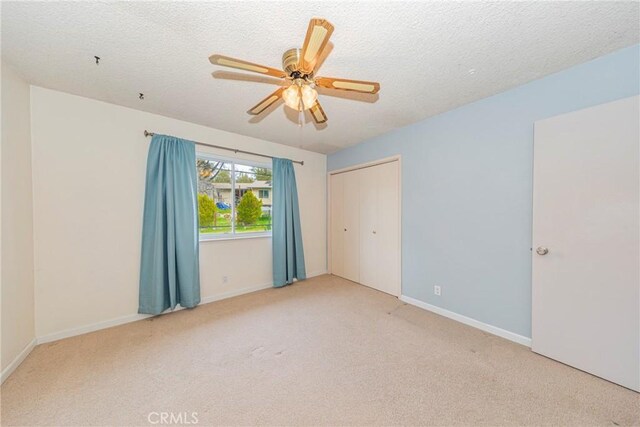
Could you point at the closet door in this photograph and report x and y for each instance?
(379, 228)
(365, 226)
(387, 229)
(369, 251)
(351, 229)
(337, 224)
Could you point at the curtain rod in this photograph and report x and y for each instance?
(235, 150)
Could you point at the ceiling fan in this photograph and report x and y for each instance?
(299, 70)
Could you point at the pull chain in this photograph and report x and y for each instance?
(300, 123)
(300, 113)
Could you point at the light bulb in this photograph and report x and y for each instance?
(309, 96)
(291, 96)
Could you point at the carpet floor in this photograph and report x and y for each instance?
(322, 352)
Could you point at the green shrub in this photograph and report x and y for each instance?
(206, 210)
(249, 209)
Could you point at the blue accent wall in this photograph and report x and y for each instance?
(467, 189)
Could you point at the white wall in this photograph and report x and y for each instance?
(17, 223)
(89, 161)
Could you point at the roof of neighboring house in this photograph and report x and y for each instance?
(243, 185)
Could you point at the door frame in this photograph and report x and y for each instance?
(395, 158)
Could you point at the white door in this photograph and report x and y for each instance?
(586, 256)
(388, 228)
(379, 228)
(351, 229)
(369, 261)
(337, 224)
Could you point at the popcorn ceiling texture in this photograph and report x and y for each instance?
(421, 53)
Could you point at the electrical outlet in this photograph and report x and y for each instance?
(437, 290)
(225, 279)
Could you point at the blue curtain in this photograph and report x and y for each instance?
(288, 255)
(169, 267)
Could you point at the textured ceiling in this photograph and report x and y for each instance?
(429, 57)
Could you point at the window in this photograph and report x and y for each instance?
(233, 198)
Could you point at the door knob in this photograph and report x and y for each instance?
(374, 232)
(541, 250)
(345, 229)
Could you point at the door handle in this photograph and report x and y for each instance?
(541, 250)
(374, 232)
(345, 229)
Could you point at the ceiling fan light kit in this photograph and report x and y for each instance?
(300, 95)
(299, 67)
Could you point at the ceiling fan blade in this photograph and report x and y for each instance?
(318, 113)
(244, 77)
(227, 61)
(316, 39)
(267, 102)
(345, 84)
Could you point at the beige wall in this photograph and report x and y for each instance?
(17, 221)
(89, 162)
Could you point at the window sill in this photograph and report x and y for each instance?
(236, 237)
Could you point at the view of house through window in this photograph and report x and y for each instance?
(233, 198)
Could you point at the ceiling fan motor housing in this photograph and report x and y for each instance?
(290, 64)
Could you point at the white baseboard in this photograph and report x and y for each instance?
(17, 361)
(468, 321)
(85, 329)
(231, 294)
(316, 273)
(80, 330)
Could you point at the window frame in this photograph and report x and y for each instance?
(205, 237)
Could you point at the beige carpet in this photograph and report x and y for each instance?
(322, 352)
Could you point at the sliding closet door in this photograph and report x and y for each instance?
(388, 228)
(351, 229)
(337, 224)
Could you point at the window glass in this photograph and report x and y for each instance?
(253, 212)
(233, 198)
